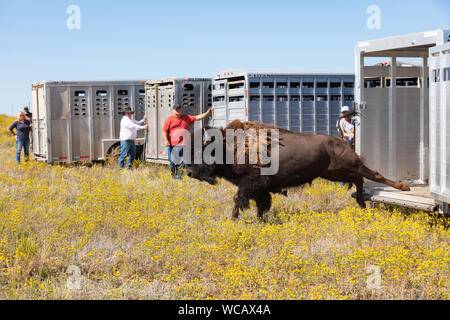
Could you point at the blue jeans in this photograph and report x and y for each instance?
(25, 144)
(127, 148)
(176, 162)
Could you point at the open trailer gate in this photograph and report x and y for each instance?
(440, 123)
(401, 126)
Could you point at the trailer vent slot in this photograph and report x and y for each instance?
(267, 85)
(101, 93)
(80, 93)
(372, 83)
(308, 98)
(295, 85)
(268, 98)
(322, 85)
(348, 98)
(282, 98)
(188, 87)
(255, 98)
(308, 85)
(335, 85)
(254, 85)
(349, 85)
(236, 99)
(232, 86)
(282, 85)
(295, 98)
(219, 99)
(322, 98)
(335, 98)
(122, 93)
(436, 75)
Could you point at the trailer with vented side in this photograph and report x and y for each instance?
(308, 102)
(402, 127)
(80, 120)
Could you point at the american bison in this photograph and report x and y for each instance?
(302, 159)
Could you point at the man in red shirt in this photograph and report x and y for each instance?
(173, 130)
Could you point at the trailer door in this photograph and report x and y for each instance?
(39, 122)
(151, 93)
(440, 123)
(219, 103)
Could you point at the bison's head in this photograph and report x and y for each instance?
(202, 164)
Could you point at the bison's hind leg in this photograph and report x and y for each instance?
(263, 203)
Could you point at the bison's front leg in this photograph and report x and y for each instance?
(241, 202)
(359, 192)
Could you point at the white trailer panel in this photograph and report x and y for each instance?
(440, 122)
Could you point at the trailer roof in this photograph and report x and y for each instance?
(164, 80)
(88, 82)
(409, 45)
(280, 73)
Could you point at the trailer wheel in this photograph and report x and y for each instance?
(139, 151)
(112, 156)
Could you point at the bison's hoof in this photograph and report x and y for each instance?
(402, 186)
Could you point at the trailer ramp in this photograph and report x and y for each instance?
(418, 197)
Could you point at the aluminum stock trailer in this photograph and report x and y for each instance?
(308, 102)
(80, 120)
(403, 127)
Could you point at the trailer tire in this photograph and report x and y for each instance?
(113, 154)
(139, 151)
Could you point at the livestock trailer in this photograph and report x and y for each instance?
(194, 96)
(80, 120)
(304, 102)
(402, 130)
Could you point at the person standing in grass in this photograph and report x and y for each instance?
(128, 134)
(346, 126)
(22, 134)
(173, 141)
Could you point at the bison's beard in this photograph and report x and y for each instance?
(212, 180)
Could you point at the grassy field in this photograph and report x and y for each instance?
(99, 233)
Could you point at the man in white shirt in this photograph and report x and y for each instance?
(346, 126)
(128, 134)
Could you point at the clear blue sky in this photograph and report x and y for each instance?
(150, 39)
